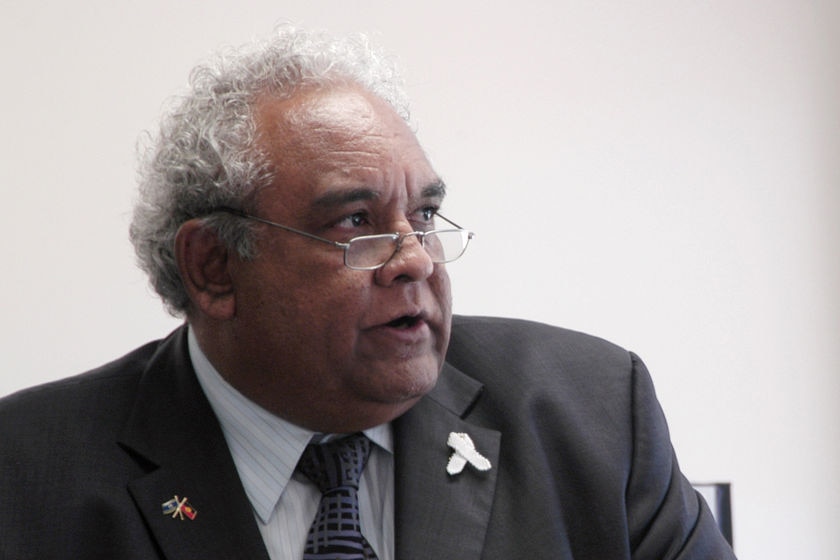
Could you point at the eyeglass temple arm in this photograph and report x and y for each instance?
(247, 216)
(439, 215)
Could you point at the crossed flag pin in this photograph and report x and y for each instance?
(464, 452)
(179, 507)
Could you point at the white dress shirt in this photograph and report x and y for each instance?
(266, 449)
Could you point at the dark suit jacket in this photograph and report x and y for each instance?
(582, 466)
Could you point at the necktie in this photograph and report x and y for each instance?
(336, 468)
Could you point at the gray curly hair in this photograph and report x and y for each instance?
(205, 156)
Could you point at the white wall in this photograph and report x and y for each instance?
(661, 173)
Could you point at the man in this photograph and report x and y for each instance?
(289, 213)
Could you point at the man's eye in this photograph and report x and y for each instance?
(428, 213)
(356, 220)
(423, 219)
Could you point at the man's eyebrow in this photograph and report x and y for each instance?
(338, 198)
(436, 189)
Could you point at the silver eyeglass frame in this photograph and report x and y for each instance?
(396, 237)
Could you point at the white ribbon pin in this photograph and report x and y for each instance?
(464, 452)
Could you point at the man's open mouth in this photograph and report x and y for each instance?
(404, 322)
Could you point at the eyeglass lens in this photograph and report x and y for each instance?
(442, 246)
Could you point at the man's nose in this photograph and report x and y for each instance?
(409, 263)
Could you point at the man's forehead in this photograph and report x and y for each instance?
(322, 110)
(341, 145)
(332, 123)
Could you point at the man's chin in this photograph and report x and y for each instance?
(410, 386)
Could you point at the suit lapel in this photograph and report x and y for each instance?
(438, 515)
(173, 432)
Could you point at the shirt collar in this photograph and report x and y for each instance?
(265, 448)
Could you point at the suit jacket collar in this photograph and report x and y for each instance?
(173, 431)
(438, 515)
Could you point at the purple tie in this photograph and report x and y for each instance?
(336, 467)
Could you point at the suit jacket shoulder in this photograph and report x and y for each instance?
(541, 353)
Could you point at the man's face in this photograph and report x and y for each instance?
(324, 346)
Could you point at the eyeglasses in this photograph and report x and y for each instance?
(370, 252)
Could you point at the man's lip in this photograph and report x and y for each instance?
(404, 330)
(409, 319)
(406, 333)
(404, 322)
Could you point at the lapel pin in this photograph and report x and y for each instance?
(464, 452)
(178, 507)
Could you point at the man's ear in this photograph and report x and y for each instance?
(203, 261)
